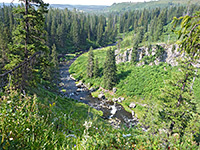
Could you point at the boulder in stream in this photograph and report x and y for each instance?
(79, 85)
(114, 90)
(132, 105)
(80, 90)
(72, 77)
(101, 96)
(92, 89)
(114, 99)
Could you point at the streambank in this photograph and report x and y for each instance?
(113, 112)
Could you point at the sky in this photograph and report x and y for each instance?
(81, 2)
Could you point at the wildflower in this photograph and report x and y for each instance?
(10, 139)
(8, 102)
(27, 129)
(87, 124)
(52, 105)
(55, 119)
(127, 135)
(74, 145)
(71, 135)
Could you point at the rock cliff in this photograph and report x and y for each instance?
(151, 55)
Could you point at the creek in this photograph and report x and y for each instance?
(113, 112)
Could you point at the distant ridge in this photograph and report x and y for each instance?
(120, 7)
(126, 6)
(85, 8)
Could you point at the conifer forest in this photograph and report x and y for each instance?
(87, 77)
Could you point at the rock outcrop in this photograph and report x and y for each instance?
(158, 53)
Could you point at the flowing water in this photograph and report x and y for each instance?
(113, 112)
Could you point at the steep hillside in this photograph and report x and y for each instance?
(136, 82)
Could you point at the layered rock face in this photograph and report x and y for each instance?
(158, 53)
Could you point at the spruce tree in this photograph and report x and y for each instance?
(54, 57)
(28, 37)
(75, 32)
(134, 54)
(110, 70)
(96, 68)
(178, 107)
(90, 65)
(4, 52)
(99, 33)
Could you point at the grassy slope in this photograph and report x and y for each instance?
(134, 83)
(32, 123)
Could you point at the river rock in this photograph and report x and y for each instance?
(114, 90)
(80, 89)
(140, 63)
(72, 77)
(61, 84)
(101, 96)
(132, 105)
(79, 85)
(114, 99)
(92, 89)
(133, 114)
(122, 98)
(119, 100)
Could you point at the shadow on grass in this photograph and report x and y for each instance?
(123, 75)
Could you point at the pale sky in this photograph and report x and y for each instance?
(81, 2)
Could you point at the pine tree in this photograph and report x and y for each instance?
(54, 57)
(4, 41)
(75, 32)
(96, 68)
(139, 37)
(134, 54)
(99, 33)
(110, 70)
(51, 71)
(28, 37)
(178, 106)
(90, 65)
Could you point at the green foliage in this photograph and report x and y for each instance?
(90, 65)
(173, 48)
(132, 80)
(110, 70)
(159, 51)
(134, 54)
(28, 39)
(178, 99)
(96, 68)
(189, 34)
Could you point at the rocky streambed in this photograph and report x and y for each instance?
(112, 111)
